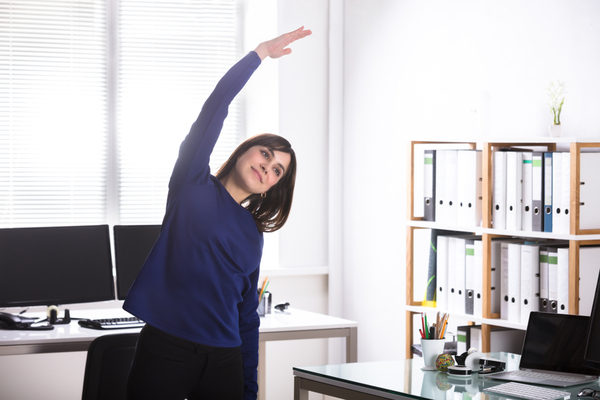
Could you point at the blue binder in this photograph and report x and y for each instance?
(548, 192)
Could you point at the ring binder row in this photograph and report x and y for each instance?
(453, 187)
(531, 189)
(541, 183)
(518, 267)
(526, 276)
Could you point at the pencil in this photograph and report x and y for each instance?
(262, 290)
(444, 328)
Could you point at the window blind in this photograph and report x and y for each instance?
(58, 62)
(170, 56)
(52, 112)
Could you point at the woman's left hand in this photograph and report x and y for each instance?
(277, 47)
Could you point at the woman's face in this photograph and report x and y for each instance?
(259, 168)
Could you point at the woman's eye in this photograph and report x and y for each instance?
(277, 172)
(265, 154)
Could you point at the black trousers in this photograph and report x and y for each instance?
(166, 367)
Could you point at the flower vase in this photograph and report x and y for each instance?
(555, 130)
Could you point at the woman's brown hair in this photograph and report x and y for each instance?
(271, 212)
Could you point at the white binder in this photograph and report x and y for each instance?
(557, 196)
(478, 280)
(469, 195)
(500, 257)
(451, 191)
(527, 205)
(459, 275)
(565, 199)
(514, 186)
(589, 191)
(514, 282)
(563, 280)
(442, 273)
(452, 275)
(499, 191)
(440, 186)
(530, 280)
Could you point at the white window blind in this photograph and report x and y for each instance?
(170, 56)
(56, 71)
(52, 112)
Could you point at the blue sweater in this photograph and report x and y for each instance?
(200, 280)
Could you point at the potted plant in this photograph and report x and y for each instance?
(556, 93)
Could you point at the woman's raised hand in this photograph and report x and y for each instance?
(277, 47)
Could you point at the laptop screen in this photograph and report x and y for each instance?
(556, 342)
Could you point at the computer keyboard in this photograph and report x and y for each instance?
(541, 375)
(525, 391)
(112, 323)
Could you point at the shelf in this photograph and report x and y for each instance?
(576, 237)
(501, 232)
(467, 317)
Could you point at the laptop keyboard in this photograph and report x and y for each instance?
(541, 375)
(524, 391)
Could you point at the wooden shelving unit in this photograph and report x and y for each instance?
(576, 237)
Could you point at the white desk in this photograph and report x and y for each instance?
(298, 324)
(292, 325)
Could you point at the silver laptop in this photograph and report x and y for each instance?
(553, 351)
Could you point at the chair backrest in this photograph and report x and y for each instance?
(107, 367)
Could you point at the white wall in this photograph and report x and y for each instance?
(303, 120)
(417, 69)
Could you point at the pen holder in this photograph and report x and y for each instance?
(264, 306)
(431, 349)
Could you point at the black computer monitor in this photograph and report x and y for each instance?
(55, 265)
(132, 245)
(592, 348)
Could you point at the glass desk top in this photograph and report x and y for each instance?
(406, 378)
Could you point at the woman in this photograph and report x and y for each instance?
(197, 291)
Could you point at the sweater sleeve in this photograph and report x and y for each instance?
(249, 324)
(195, 150)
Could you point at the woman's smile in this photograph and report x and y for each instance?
(258, 175)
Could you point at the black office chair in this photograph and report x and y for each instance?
(107, 367)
